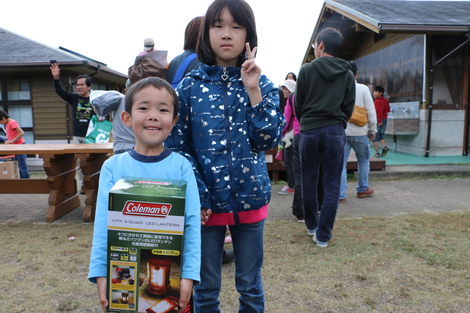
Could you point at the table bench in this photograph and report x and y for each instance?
(60, 162)
(275, 166)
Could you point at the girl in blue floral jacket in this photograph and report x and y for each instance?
(229, 115)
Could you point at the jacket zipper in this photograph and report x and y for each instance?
(229, 149)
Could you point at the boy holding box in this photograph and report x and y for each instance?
(151, 110)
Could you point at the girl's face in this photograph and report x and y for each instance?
(151, 119)
(227, 39)
(286, 92)
(290, 76)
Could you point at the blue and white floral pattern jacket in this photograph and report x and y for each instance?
(225, 137)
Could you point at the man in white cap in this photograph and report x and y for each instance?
(149, 46)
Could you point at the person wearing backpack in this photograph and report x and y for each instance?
(187, 61)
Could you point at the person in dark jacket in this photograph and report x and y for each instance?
(324, 102)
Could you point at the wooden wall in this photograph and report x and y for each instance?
(49, 110)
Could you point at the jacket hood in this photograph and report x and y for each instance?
(330, 67)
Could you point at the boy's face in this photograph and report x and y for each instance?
(151, 119)
(3, 120)
(376, 94)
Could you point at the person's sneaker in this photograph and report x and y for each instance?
(319, 243)
(300, 220)
(377, 155)
(311, 232)
(228, 239)
(368, 193)
(384, 151)
(342, 200)
(285, 190)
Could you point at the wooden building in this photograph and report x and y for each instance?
(419, 52)
(27, 89)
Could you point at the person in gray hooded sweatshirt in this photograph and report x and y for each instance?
(324, 102)
(112, 102)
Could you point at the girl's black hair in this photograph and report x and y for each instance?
(150, 81)
(242, 14)
(293, 74)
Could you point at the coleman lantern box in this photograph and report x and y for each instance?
(145, 238)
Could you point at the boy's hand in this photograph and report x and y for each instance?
(205, 213)
(55, 70)
(186, 287)
(101, 283)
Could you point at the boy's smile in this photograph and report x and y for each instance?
(151, 119)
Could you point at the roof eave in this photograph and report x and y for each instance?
(91, 65)
(354, 15)
(424, 28)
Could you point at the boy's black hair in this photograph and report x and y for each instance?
(242, 14)
(87, 79)
(332, 39)
(353, 67)
(4, 114)
(379, 89)
(155, 82)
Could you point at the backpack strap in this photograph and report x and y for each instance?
(182, 68)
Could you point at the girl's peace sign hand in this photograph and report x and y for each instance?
(250, 75)
(250, 70)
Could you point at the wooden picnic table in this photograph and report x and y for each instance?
(60, 162)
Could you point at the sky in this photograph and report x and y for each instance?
(113, 32)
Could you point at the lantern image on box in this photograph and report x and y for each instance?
(159, 282)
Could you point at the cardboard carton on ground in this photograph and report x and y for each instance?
(145, 239)
(9, 169)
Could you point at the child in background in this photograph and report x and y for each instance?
(151, 109)
(382, 107)
(229, 116)
(15, 136)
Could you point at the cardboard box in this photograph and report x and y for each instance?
(145, 239)
(9, 169)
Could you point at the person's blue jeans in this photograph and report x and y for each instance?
(326, 145)
(381, 131)
(247, 241)
(297, 206)
(22, 166)
(361, 146)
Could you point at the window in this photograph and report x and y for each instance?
(18, 89)
(399, 68)
(15, 98)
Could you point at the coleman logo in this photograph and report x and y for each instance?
(147, 209)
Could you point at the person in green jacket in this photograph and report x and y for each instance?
(325, 96)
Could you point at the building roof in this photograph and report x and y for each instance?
(353, 17)
(418, 16)
(18, 52)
